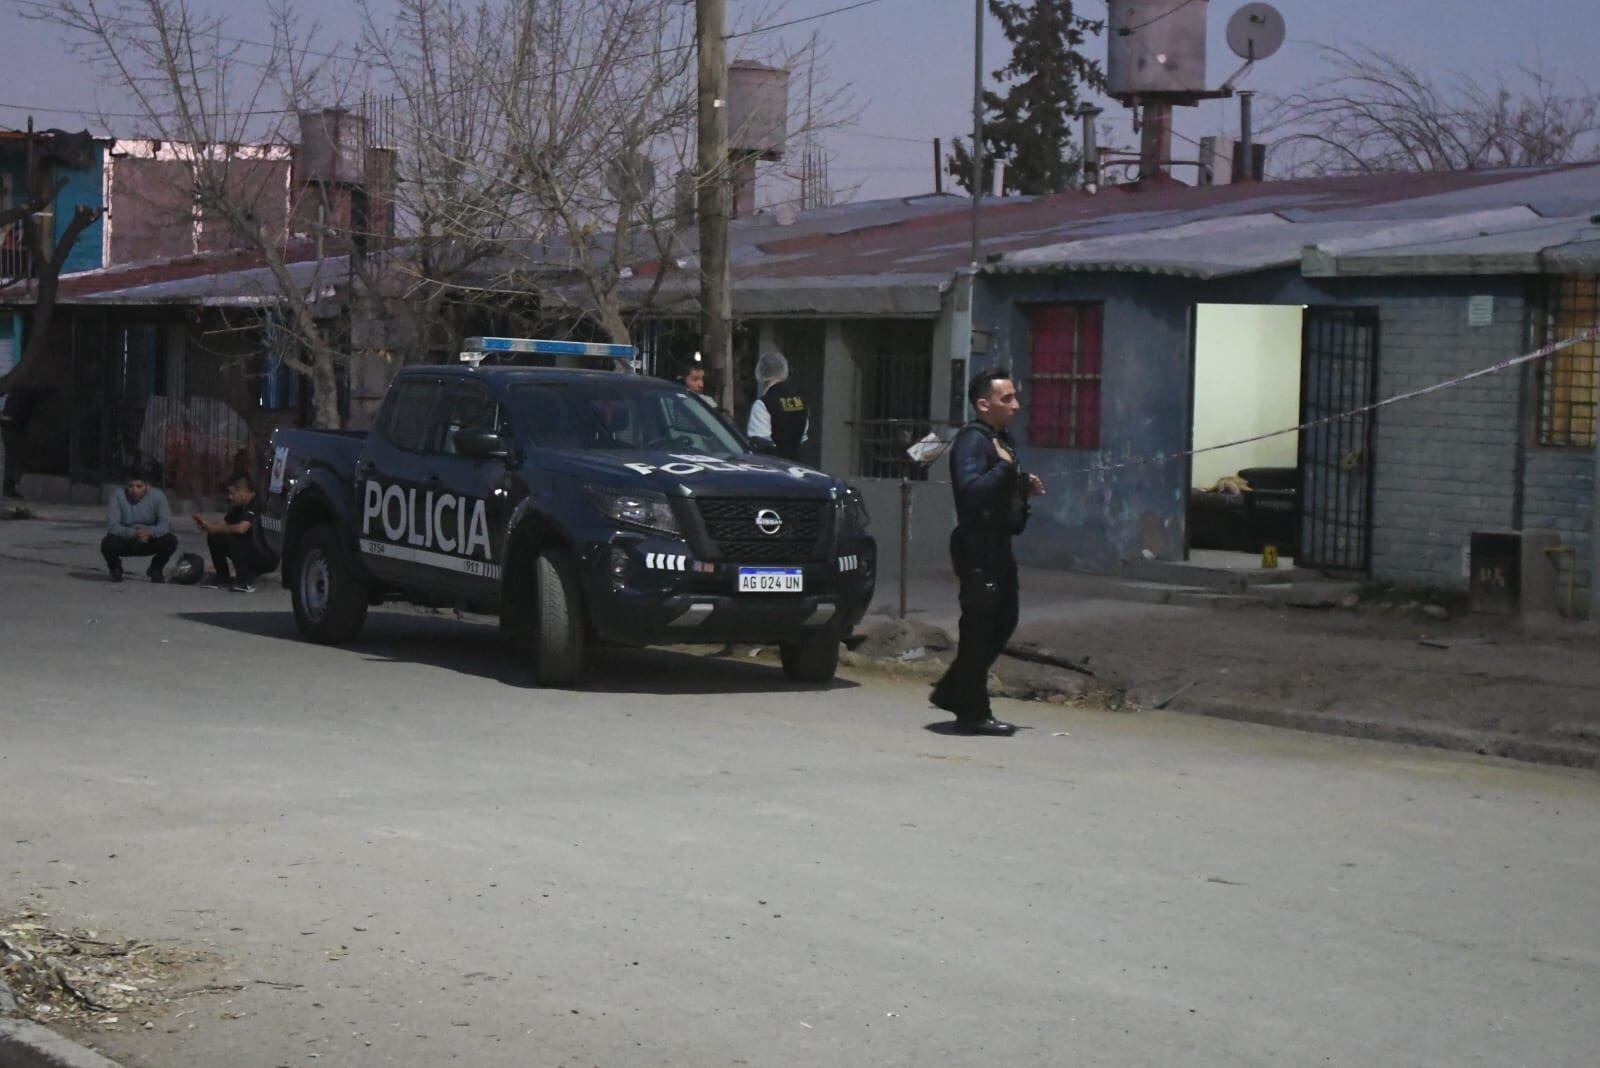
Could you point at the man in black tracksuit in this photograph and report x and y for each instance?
(16, 411)
(991, 506)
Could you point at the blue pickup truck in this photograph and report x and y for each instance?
(579, 506)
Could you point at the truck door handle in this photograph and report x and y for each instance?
(434, 479)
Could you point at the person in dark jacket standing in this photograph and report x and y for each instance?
(779, 416)
(992, 495)
(16, 412)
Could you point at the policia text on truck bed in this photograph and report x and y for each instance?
(578, 506)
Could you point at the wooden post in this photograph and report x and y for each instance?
(977, 133)
(716, 301)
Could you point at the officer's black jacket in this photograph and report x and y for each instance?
(986, 487)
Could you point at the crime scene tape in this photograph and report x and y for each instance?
(1582, 337)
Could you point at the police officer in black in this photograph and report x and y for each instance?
(779, 417)
(992, 494)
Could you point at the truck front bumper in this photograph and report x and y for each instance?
(653, 593)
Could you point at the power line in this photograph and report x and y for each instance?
(264, 112)
(804, 18)
(885, 137)
(1123, 31)
(115, 20)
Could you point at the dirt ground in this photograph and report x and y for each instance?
(1391, 667)
(1468, 674)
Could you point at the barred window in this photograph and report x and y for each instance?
(1569, 381)
(1063, 399)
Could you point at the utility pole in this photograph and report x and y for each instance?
(977, 132)
(30, 192)
(716, 302)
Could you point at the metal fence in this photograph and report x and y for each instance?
(15, 260)
(881, 447)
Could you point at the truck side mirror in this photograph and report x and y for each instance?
(764, 446)
(480, 444)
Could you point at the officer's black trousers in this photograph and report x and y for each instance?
(988, 575)
(248, 560)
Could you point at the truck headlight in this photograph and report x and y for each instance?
(636, 508)
(853, 516)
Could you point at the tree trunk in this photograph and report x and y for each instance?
(324, 390)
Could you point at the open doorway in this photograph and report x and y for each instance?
(1247, 382)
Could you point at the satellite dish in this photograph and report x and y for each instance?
(1255, 31)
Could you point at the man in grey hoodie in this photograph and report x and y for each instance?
(138, 523)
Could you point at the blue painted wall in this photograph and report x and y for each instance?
(84, 187)
(1090, 519)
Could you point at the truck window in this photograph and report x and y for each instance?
(591, 414)
(468, 406)
(407, 419)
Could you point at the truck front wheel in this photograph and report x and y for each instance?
(557, 636)
(330, 602)
(812, 659)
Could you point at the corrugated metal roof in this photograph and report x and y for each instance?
(838, 259)
(1504, 226)
(893, 257)
(219, 278)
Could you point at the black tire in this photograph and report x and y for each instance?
(330, 601)
(814, 659)
(557, 638)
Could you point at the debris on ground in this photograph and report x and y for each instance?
(86, 977)
(905, 640)
(1027, 671)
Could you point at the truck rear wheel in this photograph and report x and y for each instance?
(330, 602)
(558, 634)
(812, 659)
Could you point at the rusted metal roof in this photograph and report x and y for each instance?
(905, 251)
(215, 278)
(895, 257)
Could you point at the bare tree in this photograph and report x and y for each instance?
(441, 59)
(221, 117)
(546, 145)
(1379, 114)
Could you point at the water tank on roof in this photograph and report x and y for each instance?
(1155, 46)
(758, 110)
(333, 146)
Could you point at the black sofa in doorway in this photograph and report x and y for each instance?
(1265, 513)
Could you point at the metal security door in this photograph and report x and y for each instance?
(1339, 374)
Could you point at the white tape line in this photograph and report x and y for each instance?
(1591, 334)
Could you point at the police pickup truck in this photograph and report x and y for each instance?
(580, 506)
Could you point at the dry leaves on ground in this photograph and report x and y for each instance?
(85, 976)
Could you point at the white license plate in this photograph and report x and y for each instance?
(771, 580)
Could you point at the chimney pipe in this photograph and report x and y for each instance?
(1247, 171)
(1089, 178)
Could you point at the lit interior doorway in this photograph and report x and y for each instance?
(1247, 374)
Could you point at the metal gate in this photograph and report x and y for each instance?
(1339, 373)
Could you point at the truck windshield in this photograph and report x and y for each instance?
(587, 414)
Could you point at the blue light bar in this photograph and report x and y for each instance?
(548, 348)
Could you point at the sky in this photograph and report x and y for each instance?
(907, 64)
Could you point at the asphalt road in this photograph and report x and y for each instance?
(692, 863)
